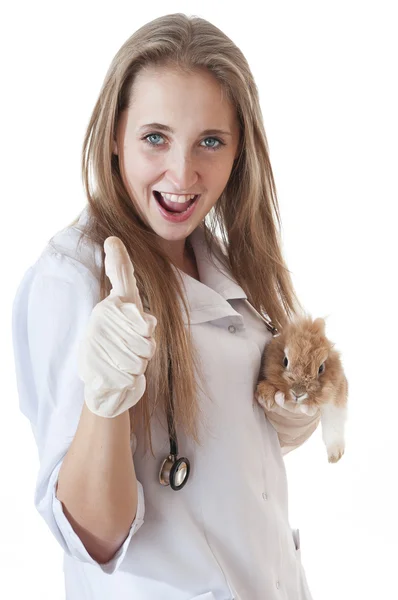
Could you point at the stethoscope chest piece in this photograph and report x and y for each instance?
(174, 472)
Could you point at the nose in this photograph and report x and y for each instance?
(181, 171)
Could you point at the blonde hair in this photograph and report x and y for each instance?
(246, 214)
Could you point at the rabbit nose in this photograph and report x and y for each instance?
(298, 390)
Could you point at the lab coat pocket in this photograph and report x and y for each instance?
(205, 596)
(305, 593)
(296, 538)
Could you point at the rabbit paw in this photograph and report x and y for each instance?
(264, 402)
(335, 452)
(263, 395)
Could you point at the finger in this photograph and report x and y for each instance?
(142, 323)
(308, 410)
(120, 270)
(280, 398)
(128, 361)
(125, 316)
(125, 339)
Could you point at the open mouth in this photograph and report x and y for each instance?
(174, 207)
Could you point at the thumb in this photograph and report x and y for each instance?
(120, 271)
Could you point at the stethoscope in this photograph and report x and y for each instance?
(175, 471)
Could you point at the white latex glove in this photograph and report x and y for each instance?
(118, 342)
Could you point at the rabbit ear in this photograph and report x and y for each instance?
(319, 323)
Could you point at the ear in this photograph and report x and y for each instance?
(319, 323)
(114, 147)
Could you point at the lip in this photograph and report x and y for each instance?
(177, 193)
(177, 217)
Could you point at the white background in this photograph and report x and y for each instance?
(327, 76)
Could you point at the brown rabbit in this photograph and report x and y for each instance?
(303, 373)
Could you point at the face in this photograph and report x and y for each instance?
(185, 159)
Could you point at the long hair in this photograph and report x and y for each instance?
(245, 221)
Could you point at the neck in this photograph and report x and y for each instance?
(181, 253)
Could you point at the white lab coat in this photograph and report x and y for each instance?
(226, 534)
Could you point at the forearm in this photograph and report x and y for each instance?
(97, 484)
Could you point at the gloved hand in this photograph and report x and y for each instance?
(118, 342)
(273, 400)
(294, 407)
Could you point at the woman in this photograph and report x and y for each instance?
(177, 124)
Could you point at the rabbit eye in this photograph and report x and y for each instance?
(285, 361)
(321, 368)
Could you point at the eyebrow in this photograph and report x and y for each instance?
(171, 130)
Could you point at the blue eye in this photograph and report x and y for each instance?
(220, 143)
(151, 135)
(154, 144)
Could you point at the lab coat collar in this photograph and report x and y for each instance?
(208, 298)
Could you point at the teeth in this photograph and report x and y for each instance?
(181, 199)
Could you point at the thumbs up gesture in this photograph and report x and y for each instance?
(118, 342)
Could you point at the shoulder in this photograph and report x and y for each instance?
(72, 248)
(69, 261)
